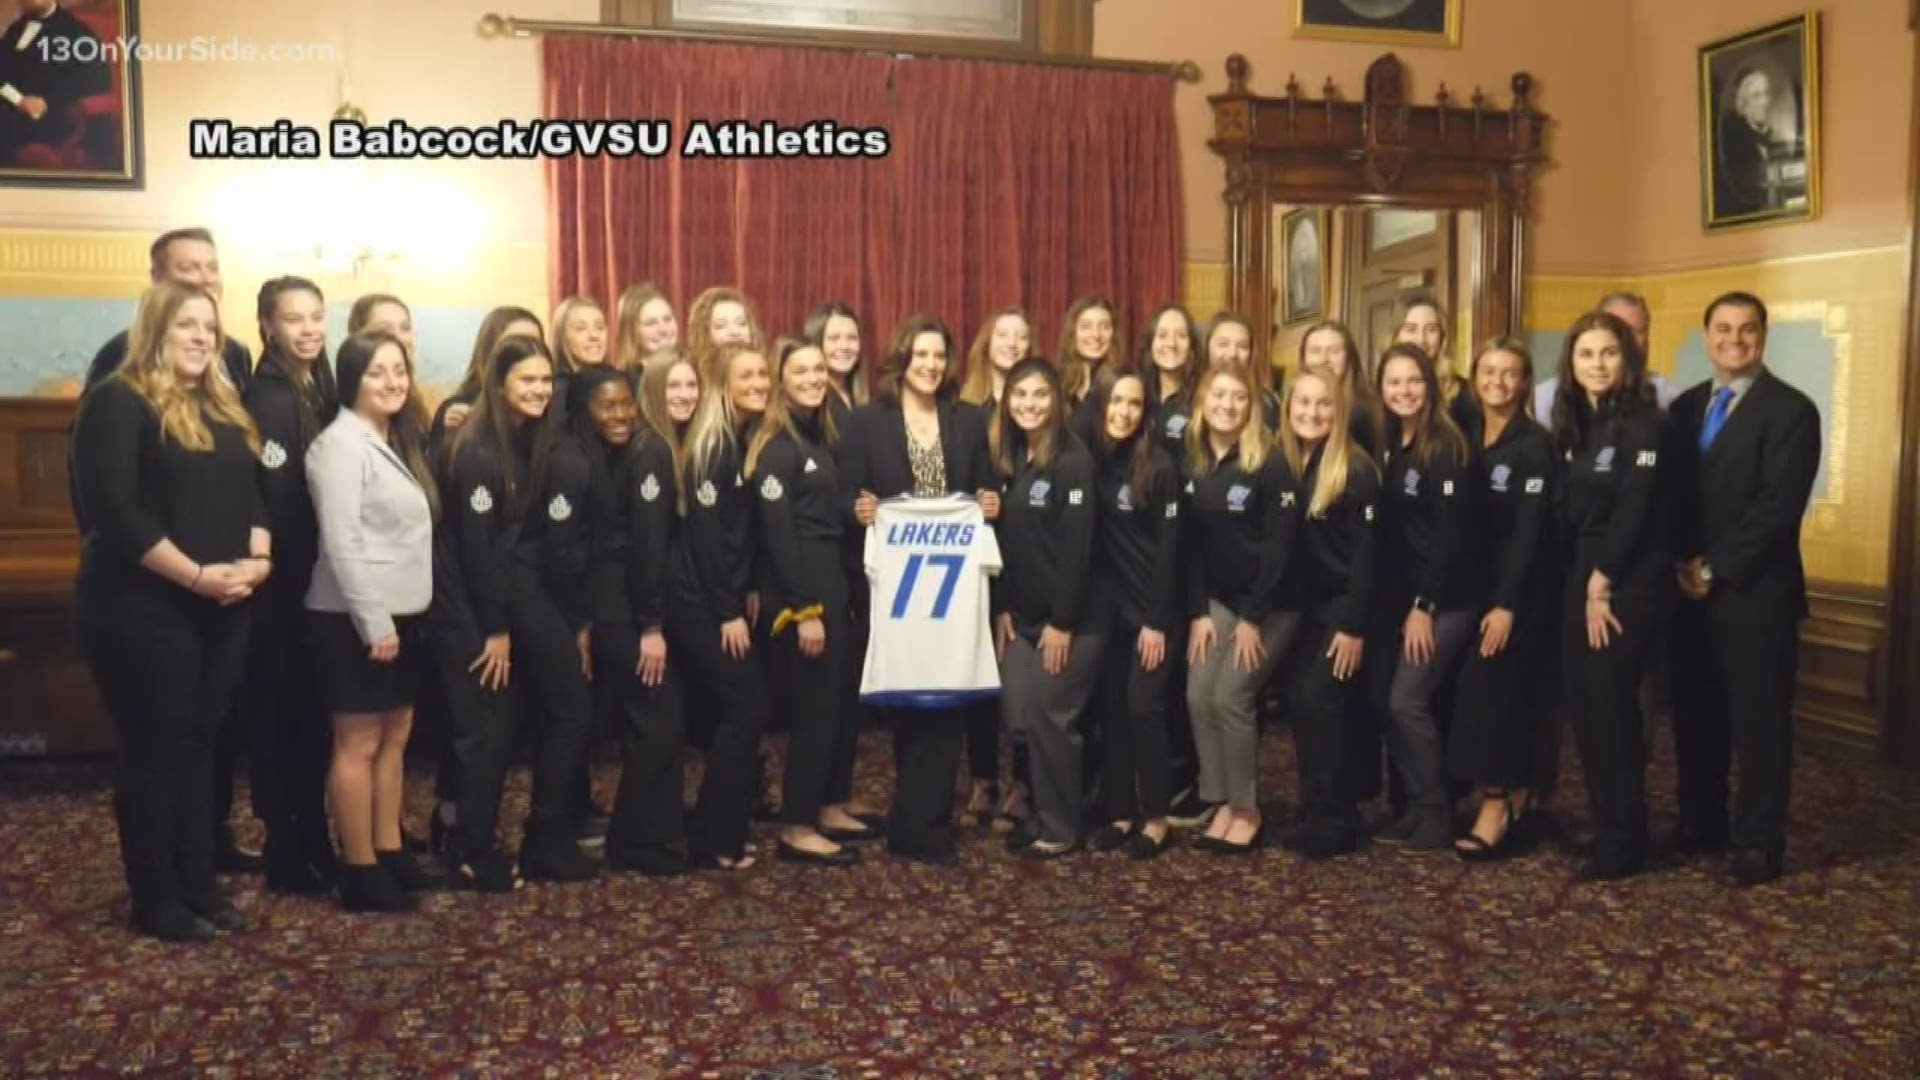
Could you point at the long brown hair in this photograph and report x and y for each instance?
(1260, 368)
(1573, 415)
(779, 415)
(893, 365)
(1443, 363)
(407, 431)
(487, 341)
(1076, 371)
(1255, 441)
(815, 331)
(634, 299)
(977, 389)
(183, 410)
(1014, 444)
(654, 421)
(492, 423)
(1150, 371)
(1433, 427)
(1139, 447)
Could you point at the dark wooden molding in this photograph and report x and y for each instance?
(1382, 150)
(1844, 667)
(1900, 730)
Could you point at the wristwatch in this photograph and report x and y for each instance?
(1421, 603)
(1706, 574)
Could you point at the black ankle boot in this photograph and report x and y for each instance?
(405, 870)
(172, 922)
(553, 855)
(372, 889)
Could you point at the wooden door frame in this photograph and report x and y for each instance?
(1900, 726)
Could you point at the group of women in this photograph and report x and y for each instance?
(610, 525)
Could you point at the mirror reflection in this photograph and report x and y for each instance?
(1360, 263)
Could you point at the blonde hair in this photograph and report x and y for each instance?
(1255, 441)
(715, 427)
(183, 410)
(707, 356)
(563, 361)
(629, 355)
(978, 385)
(654, 420)
(779, 415)
(1339, 450)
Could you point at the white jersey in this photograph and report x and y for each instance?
(931, 640)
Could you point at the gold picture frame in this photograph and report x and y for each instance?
(1760, 126)
(1431, 23)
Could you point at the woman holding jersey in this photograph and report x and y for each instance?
(915, 439)
(1242, 521)
(1510, 585)
(1048, 631)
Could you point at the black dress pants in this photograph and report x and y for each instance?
(737, 692)
(1495, 710)
(820, 735)
(168, 668)
(1734, 660)
(1602, 695)
(1323, 708)
(290, 734)
(926, 749)
(1133, 709)
(647, 811)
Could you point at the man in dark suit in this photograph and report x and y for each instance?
(47, 65)
(1744, 453)
(189, 257)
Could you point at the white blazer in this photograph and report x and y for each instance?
(376, 529)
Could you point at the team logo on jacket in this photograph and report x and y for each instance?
(1037, 494)
(810, 466)
(1176, 425)
(1286, 499)
(1413, 481)
(1123, 502)
(1603, 461)
(559, 509)
(707, 496)
(1502, 475)
(1237, 498)
(770, 488)
(273, 455)
(481, 500)
(650, 488)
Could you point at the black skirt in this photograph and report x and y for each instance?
(351, 681)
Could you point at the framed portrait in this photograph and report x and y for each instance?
(1393, 22)
(1303, 234)
(70, 94)
(1760, 126)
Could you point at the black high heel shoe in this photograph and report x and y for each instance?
(1514, 839)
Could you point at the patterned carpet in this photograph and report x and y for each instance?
(1383, 964)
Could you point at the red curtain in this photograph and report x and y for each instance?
(1005, 184)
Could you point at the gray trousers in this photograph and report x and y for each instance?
(1413, 736)
(1045, 710)
(1224, 702)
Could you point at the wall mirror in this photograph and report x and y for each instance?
(1340, 209)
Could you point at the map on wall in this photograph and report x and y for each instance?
(983, 20)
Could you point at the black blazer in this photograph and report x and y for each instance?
(1739, 504)
(872, 453)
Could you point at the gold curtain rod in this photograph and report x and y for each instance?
(493, 25)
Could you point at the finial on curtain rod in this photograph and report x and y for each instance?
(493, 25)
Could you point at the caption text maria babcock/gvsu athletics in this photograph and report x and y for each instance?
(349, 139)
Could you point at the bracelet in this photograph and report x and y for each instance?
(1604, 598)
(195, 583)
(268, 559)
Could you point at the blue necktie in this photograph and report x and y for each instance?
(1716, 417)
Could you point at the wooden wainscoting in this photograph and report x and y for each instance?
(1843, 675)
(48, 704)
